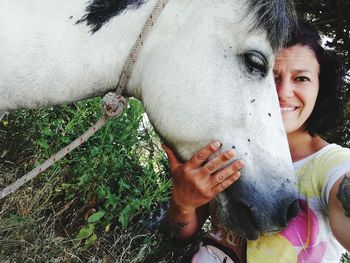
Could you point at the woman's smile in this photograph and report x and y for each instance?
(288, 108)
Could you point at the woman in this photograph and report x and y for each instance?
(308, 81)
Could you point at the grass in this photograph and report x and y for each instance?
(92, 206)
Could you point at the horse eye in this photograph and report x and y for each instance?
(255, 63)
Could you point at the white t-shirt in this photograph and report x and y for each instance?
(308, 237)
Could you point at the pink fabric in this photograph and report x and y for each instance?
(303, 232)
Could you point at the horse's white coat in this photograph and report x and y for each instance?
(46, 58)
(189, 76)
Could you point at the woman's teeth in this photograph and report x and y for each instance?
(288, 108)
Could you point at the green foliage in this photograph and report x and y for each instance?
(114, 178)
(87, 233)
(96, 217)
(333, 19)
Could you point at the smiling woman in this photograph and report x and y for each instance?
(296, 76)
(309, 80)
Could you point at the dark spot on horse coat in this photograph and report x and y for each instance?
(225, 53)
(99, 12)
(252, 101)
(269, 114)
(233, 147)
(248, 140)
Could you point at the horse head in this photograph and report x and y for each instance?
(204, 73)
(207, 75)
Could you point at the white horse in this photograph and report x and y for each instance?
(204, 73)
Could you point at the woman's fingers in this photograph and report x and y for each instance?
(226, 172)
(227, 176)
(202, 155)
(217, 162)
(226, 183)
(173, 161)
(195, 184)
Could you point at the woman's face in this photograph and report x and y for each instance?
(296, 73)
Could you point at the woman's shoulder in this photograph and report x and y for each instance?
(323, 167)
(330, 155)
(333, 154)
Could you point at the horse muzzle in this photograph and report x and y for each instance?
(249, 211)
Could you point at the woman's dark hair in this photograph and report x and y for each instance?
(328, 110)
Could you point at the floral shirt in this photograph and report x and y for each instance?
(308, 237)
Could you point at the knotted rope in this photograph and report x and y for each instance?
(113, 105)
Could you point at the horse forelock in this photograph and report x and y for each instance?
(277, 17)
(99, 12)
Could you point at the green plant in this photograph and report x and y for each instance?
(108, 184)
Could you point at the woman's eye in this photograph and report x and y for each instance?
(302, 79)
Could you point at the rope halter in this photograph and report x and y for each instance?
(113, 105)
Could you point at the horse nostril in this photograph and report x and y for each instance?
(293, 210)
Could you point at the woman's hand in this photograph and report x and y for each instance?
(196, 182)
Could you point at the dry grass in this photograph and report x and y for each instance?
(34, 228)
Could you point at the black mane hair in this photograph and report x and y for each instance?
(329, 107)
(277, 17)
(100, 12)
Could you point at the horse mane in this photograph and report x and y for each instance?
(277, 17)
(100, 12)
